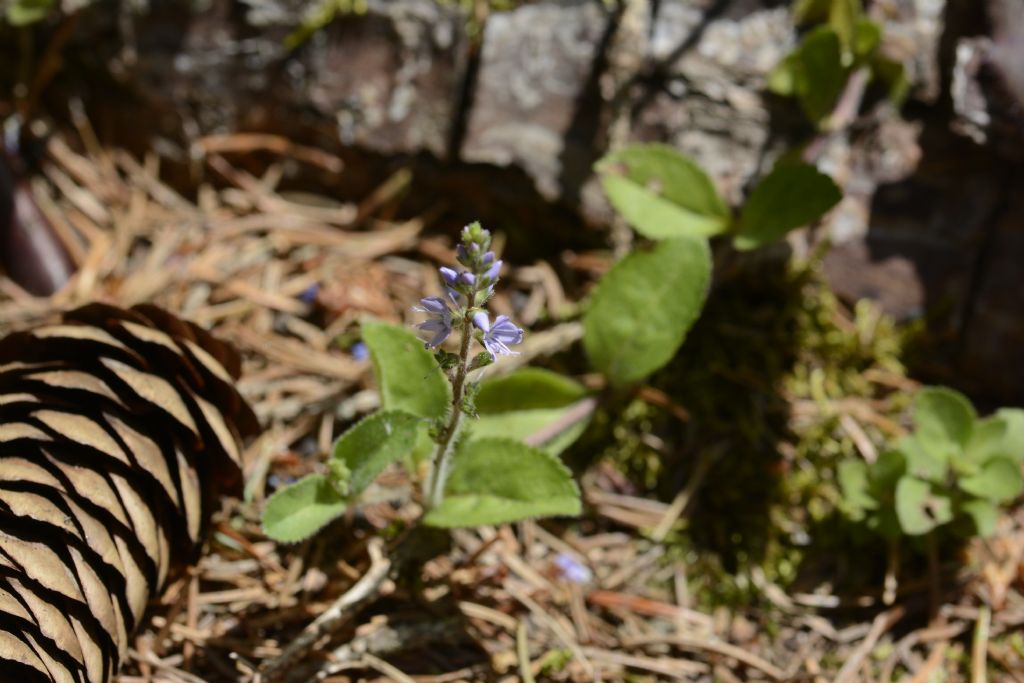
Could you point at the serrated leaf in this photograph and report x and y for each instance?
(662, 193)
(374, 443)
(407, 374)
(998, 480)
(422, 450)
(644, 306)
(853, 482)
(298, 511)
(984, 514)
(790, 196)
(25, 12)
(943, 415)
(527, 389)
(918, 509)
(494, 481)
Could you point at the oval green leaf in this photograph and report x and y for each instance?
(998, 481)
(1013, 443)
(920, 511)
(373, 444)
(407, 374)
(494, 481)
(644, 307)
(792, 195)
(984, 514)
(526, 402)
(818, 72)
(298, 511)
(662, 193)
(943, 416)
(527, 389)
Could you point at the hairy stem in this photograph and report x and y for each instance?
(442, 461)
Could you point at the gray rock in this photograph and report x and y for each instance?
(712, 72)
(391, 79)
(534, 68)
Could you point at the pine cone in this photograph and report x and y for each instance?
(119, 429)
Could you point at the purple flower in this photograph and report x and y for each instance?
(492, 272)
(359, 351)
(498, 336)
(309, 294)
(439, 322)
(450, 277)
(572, 569)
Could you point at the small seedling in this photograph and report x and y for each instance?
(459, 436)
(954, 469)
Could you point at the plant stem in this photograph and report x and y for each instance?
(442, 461)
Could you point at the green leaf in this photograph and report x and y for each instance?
(886, 471)
(1014, 439)
(924, 462)
(644, 306)
(296, 512)
(918, 509)
(843, 17)
(524, 403)
(988, 439)
(494, 481)
(893, 76)
(819, 74)
(407, 374)
(811, 11)
(867, 36)
(782, 79)
(790, 196)
(853, 482)
(519, 424)
(527, 389)
(662, 193)
(25, 12)
(984, 514)
(373, 444)
(943, 416)
(998, 481)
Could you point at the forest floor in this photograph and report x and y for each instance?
(722, 561)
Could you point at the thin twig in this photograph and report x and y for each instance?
(979, 649)
(385, 640)
(575, 414)
(716, 647)
(523, 653)
(334, 617)
(882, 623)
(389, 670)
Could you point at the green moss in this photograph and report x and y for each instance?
(766, 374)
